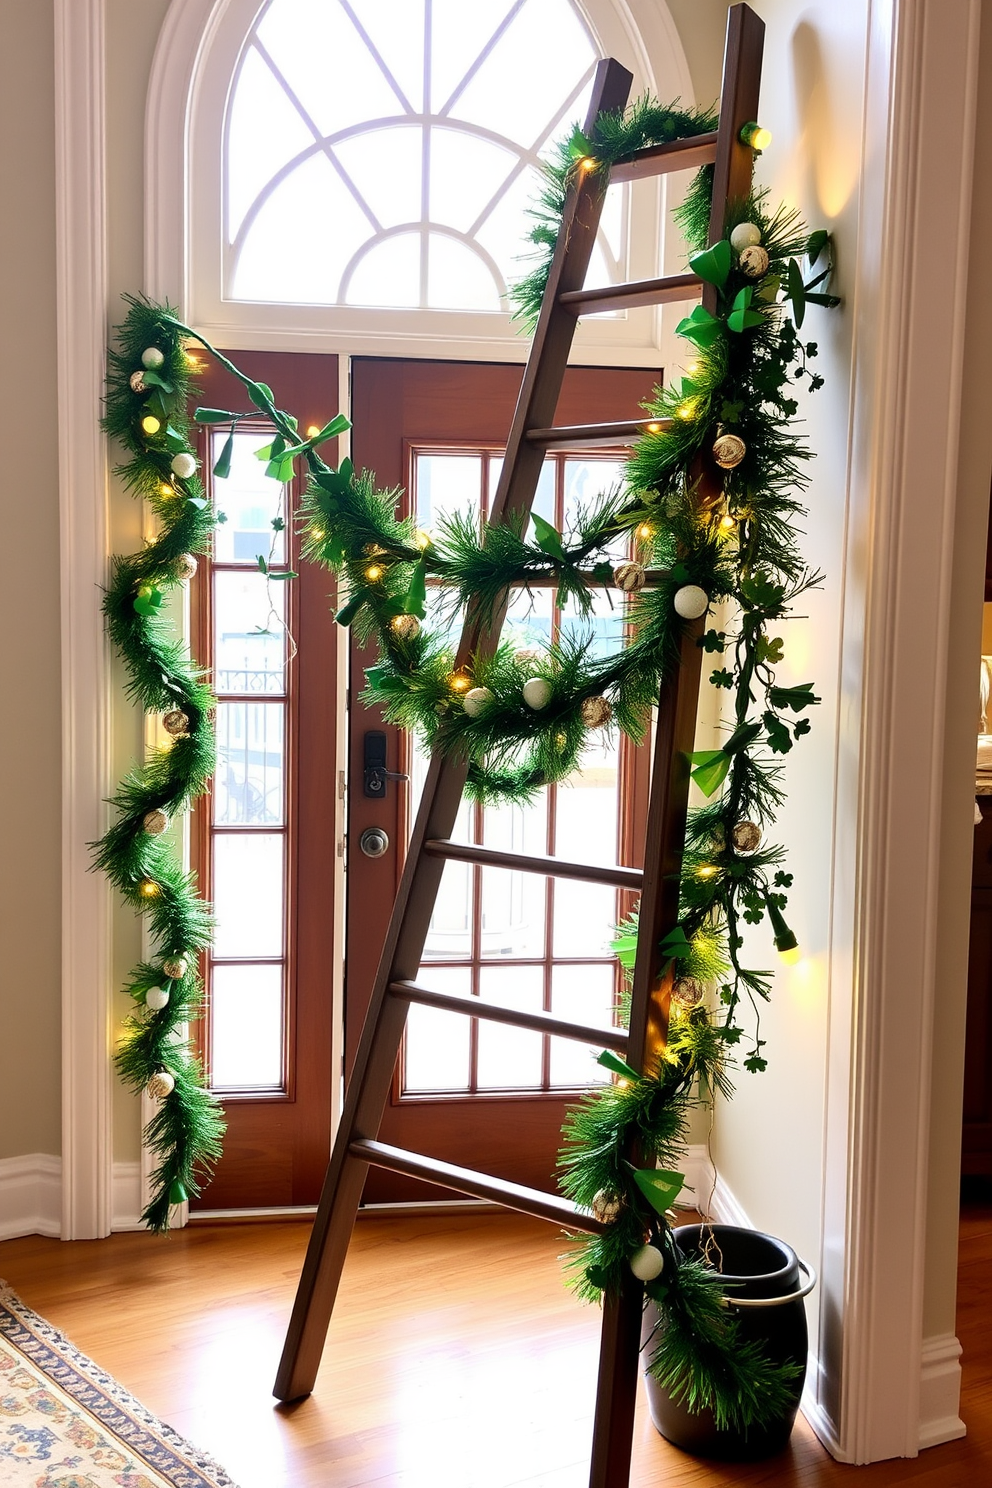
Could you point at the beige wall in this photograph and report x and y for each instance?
(769, 1142)
(30, 739)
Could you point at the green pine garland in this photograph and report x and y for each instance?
(147, 392)
(739, 546)
(615, 137)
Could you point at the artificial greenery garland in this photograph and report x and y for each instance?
(147, 393)
(523, 720)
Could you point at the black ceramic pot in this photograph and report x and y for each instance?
(755, 1267)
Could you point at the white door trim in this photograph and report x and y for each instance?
(81, 293)
(909, 349)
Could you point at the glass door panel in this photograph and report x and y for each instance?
(495, 932)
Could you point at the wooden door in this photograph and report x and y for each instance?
(266, 841)
(443, 425)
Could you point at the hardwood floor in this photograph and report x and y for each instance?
(455, 1359)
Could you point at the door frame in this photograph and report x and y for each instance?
(914, 67)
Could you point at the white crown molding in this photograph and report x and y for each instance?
(30, 1196)
(921, 67)
(81, 279)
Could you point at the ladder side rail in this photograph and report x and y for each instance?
(545, 371)
(613, 1427)
(386, 1018)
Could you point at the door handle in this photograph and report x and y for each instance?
(374, 842)
(374, 769)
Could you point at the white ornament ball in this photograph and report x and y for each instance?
(729, 450)
(174, 968)
(629, 577)
(152, 358)
(137, 382)
(185, 567)
(647, 1263)
(691, 601)
(184, 465)
(155, 822)
(536, 693)
(754, 261)
(745, 235)
(475, 700)
(746, 836)
(595, 712)
(161, 1084)
(405, 627)
(157, 998)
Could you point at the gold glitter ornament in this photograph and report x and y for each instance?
(155, 823)
(185, 566)
(746, 836)
(595, 712)
(176, 723)
(688, 991)
(728, 451)
(605, 1207)
(136, 382)
(405, 627)
(174, 968)
(754, 261)
(629, 577)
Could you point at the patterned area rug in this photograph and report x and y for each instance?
(66, 1423)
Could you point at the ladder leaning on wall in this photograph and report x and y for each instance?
(532, 434)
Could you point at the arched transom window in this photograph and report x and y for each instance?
(383, 153)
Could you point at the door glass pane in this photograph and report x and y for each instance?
(586, 818)
(510, 1058)
(437, 1043)
(447, 484)
(248, 894)
(249, 639)
(246, 1006)
(450, 933)
(250, 501)
(584, 994)
(513, 904)
(250, 781)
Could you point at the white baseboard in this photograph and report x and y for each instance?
(940, 1391)
(30, 1195)
(127, 1206)
(706, 1191)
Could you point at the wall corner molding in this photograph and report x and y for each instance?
(920, 66)
(30, 1196)
(81, 294)
(940, 1391)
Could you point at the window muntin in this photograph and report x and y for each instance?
(398, 175)
(539, 944)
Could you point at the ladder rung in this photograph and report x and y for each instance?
(494, 857)
(593, 436)
(497, 1012)
(654, 160)
(480, 1185)
(629, 296)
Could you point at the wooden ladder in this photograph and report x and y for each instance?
(396, 987)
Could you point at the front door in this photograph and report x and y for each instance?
(471, 1092)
